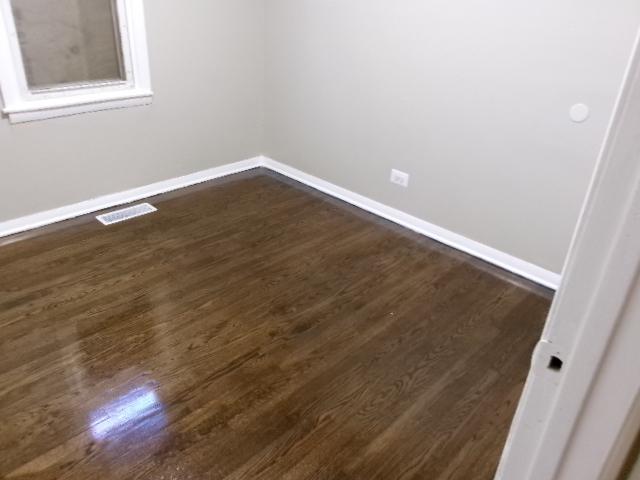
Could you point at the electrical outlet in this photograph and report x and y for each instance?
(400, 178)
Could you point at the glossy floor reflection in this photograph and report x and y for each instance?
(255, 329)
(126, 413)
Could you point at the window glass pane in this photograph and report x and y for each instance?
(68, 41)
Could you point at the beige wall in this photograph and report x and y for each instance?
(206, 67)
(470, 97)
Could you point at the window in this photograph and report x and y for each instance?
(63, 57)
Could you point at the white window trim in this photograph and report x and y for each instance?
(23, 105)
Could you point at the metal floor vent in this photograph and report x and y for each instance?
(126, 214)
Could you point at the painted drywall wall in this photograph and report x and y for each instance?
(471, 98)
(207, 74)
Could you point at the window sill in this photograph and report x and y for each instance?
(61, 107)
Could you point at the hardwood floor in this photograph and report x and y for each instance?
(256, 329)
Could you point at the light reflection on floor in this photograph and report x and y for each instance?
(140, 407)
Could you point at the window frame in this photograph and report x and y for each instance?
(22, 104)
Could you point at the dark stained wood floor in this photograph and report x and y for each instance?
(255, 329)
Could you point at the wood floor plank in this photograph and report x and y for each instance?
(254, 328)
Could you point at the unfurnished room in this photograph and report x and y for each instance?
(319, 240)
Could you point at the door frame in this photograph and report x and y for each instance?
(575, 421)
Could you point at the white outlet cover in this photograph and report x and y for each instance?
(400, 178)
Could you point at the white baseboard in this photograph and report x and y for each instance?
(496, 257)
(49, 217)
(488, 254)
